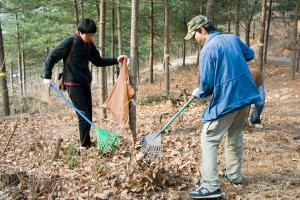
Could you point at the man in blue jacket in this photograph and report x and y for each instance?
(225, 77)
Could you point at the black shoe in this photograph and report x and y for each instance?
(89, 145)
(203, 193)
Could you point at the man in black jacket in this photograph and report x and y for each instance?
(80, 49)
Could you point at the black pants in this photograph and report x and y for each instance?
(82, 99)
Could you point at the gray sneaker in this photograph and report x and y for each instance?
(241, 182)
(203, 193)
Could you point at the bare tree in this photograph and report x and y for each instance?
(4, 89)
(229, 20)
(298, 54)
(76, 11)
(249, 18)
(253, 30)
(201, 7)
(23, 71)
(185, 31)
(97, 9)
(237, 17)
(113, 39)
(151, 41)
(262, 35)
(103, 86)
(11, 78)
(296, 18)
(267, 31)
(119, 27)
(19, 55)
(166, 47)
(210, 9)
(82, 9)
(134, 65)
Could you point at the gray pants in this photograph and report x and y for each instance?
(212, 134)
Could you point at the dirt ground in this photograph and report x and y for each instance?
(271, 154)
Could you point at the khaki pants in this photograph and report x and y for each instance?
(212, 134)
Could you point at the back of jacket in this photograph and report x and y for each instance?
(225, 75)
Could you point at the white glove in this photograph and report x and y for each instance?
(46, 81)
(196, 93)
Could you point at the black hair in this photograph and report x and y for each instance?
(209, 27)
(87, 26)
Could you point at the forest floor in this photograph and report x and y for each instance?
(271, 154)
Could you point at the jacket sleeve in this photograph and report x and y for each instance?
(98, 61)
(247, 51)
(207, 73)
(56, 55)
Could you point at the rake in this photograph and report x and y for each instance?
(105, 139)
(151, 144)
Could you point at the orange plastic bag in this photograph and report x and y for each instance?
(118, 99)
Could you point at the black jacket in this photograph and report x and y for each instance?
(78, 69)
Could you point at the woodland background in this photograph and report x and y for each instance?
(163, 71)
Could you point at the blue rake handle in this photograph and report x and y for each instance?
(70, 104)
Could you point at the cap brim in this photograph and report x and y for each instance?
(189, 35)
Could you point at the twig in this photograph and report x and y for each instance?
(55, 188)
(13, 132)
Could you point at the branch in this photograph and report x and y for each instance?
(14, 129)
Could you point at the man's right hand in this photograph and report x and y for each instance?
(46, 81)
(196, 93)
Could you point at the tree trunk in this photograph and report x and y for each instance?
(185, 31)
(23, 72)
(82, 11)
(151, 41)
(119, 26)
(229, 20)
(113, 40)
(103, 86)
(98, 9)
(267, 31)
(237, 17)
(166, 47)
(3, 81)
(11, 79)
(248, 23)
(210, 10)
(247, 32)
(19, 56)
(262, 35)
(296, 17)
(134, 66)
(76, 12)
(298, 55)
(201, 7)
(98, 15)
(253, 30)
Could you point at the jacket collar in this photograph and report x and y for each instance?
(210, 36)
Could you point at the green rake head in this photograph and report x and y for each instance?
(107, 139)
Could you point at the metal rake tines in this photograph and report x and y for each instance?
(151, 145)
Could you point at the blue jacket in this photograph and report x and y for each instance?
(225, 76)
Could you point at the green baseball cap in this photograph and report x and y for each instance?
(194, 25)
